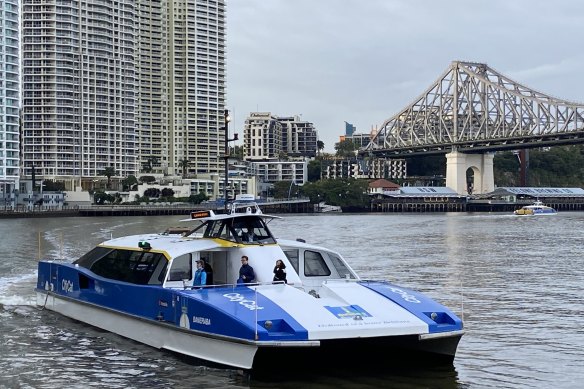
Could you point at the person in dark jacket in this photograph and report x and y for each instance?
(280, 271)
(209, 270)
(246, 273)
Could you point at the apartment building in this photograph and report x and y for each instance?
(136, 86)
(79, 89)
(267, 136)
(262, 137)
(9, 100)
(192, 74)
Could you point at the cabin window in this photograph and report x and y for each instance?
(340, 267)
(137, 267)
(314, 265)
(292, 256)
(89, 258)
(182, 268)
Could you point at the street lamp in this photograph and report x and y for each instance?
(227, 119)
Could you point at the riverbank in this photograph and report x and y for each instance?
(292, 206)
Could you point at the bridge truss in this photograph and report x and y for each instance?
(473, 108)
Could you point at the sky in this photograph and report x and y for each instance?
(363, 61)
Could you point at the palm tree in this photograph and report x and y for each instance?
(184, 164)
(319, 146)
(109, 172)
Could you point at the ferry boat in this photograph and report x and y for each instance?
(141, 287)
(537, 208)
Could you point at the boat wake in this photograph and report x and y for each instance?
(16, 290)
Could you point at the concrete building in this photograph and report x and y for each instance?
(299, 138)
(79, 88)
(262, 137)
(9, 102)
(182, 86)
(138, 87)
(270, 137)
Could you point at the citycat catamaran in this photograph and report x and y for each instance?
(141, 287)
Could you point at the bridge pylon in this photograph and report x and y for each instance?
(482, 179)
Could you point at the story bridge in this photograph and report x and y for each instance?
(470, 112)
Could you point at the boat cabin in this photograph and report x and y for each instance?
(170, 259)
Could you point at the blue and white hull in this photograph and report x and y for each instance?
(141, 287)
(228, 325)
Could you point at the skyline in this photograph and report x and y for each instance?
(366, 61)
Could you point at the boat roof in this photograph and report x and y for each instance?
(234, 210)
(173, 245)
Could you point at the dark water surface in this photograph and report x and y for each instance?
(518, 283)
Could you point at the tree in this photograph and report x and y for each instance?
(109, 172)
(167, 192)
(314, 170)
(184, 165)
(101, 198)
(147, 179)
(148, 165)
(346, 148)
(319, 146)
(198, 198)
(128, 182)
(152, 192)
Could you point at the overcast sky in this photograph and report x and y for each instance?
(362, 61)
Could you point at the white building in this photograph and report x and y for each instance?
(9, 101)
(79, 89)
(269, 137)
(181, 97)
(124, 85)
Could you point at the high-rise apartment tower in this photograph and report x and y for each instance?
(79, 89)
(193, 89)
(9, 98)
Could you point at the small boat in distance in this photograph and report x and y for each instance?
(322, 315)
(537, 208)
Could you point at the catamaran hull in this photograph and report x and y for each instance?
(261, 355)
(153, 333)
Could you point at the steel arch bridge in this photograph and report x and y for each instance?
(473, 109)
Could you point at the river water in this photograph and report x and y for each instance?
(516, 281)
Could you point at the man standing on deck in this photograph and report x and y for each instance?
(246, 273)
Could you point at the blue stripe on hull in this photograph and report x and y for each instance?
(419, 305)
(224, 311)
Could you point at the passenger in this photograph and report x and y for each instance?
(208, 270)
(200, 274)
(280, 271)
(246, 273)
(247, 235)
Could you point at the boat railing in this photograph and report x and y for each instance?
(230, 285)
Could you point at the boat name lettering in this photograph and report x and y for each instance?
(202, 320)
(67, 285)
(236, 297)
(405, 295)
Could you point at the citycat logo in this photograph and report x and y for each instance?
(238, 298)
(405, 295)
